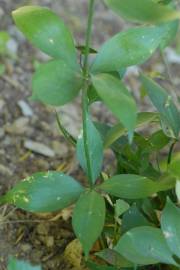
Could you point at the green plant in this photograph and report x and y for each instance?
(132, 235)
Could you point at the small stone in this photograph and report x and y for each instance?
(5, 171)
(172, 56)
(39, 148)
(26, 247)
(25, 108)
(60, 148)
(12, 46)
(1, 12)
(14, 32)
(19, 127)
(2, 103)
(132, 71)
(42, 229)
(2, 133)
(49, 241)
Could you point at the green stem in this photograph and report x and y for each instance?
(171, 152)
(85, 135)
(66, 134)
(85, 88)
(88, 36)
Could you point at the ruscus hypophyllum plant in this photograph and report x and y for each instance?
(122, 210)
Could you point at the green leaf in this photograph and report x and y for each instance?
(95, 148)
(44, 192)
(14, 264)
(178, 190)
(93, 266)
(133, 218)
(128, 48)
(117, 98)
(92, 93)
(158, 140)
(170, 31)
(163, 103)
(129, 186)
(174, 167)
(170, 224)
(120, 207)
(47, 32)
(118, 130)
(88, 219)
(142, 10)
(114, 258)
(145, 245)
(55, 83)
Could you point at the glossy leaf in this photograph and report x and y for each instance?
(129, 186)
(128, 48)
(114, 258)
(118, 130)
(14, 264)
(95, 148)
(133, 218)
(88, 219)
(44, 192)
(163, 103)
(170, 31)
(142, 10)
(47, 32)
(145, 245)
(55, 83)
(117, 98)
(170, 224)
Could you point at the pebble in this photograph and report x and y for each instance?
(172, 56)
(60, 148)
(39, 148)
(2, 103)
(19, 126)
(5, 171)
(26, 247)
(25, 108)
(13, 31)
(1, 12)
(12, 47)
(2, 133)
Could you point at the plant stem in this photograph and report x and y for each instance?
(66, 134)
(88, 36)
(85, 88)
(170, 152)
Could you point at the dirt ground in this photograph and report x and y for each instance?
(43, 238)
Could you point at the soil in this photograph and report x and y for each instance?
(44, 238)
